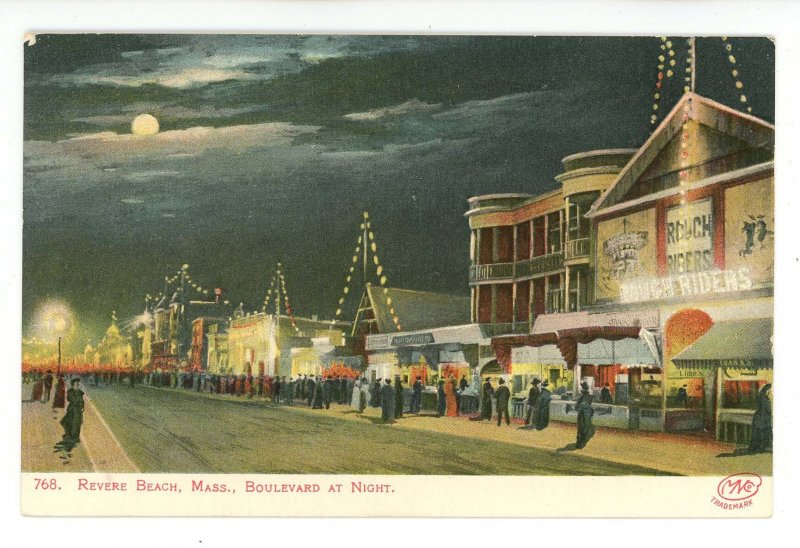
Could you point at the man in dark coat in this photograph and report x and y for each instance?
(327, 392)
(441, 400)
(532, 401)
(309, 389)
(73, 418)
(584, 408)
(318, 394)
(542, 419)
(416, 395)
(336, 395)
(683, 397)
(48, 386)
(375, 394)
(463, 384)
(398, 398)
(387, 401)
(503, 396)
(605, 395)
(487, 392)
(761, 433)
(276, 390)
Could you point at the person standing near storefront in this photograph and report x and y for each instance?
(605, 395)
(318, 394)
(450, 397)
(503, 396)
(486, 399)
(542, 419)
(533, 400)
(682, 400)
(761, 433)
(375, 394)
(288, 391)
(416, 395)
(398, 398)
(387, 401)
(327, 392)
(441, 400)
(584, 408)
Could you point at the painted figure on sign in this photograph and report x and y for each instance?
(761, 434)
(503, 396)
(585, 412)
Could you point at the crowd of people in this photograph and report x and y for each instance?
(320, 391)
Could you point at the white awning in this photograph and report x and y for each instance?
(548, 354)
(628, 351)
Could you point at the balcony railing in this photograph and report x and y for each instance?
(577, 249)
(555, 301)
(522, 269)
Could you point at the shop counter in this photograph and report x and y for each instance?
(614, 416)
(735, 425)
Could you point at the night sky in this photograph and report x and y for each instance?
(271, 147)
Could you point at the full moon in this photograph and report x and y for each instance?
(144, 124)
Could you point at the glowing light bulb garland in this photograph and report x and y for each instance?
(738, 84)
(665, 59)
(371, 245)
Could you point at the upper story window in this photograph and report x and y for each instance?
(554, 232)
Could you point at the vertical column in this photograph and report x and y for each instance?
(494, 303)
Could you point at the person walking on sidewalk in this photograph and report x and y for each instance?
(48, 386)
(761, 436)
(416, 395)
(533, 400)
(487, 393)
(542, 419)
(59, 400)
(441, 399)
(503, 396)
(398, 398)
(73, 418)
(584, 408)
(387, 401)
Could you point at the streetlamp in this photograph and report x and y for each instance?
(56, 322)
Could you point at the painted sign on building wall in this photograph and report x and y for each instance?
(749, 230)
(626, 250)
(690, 237)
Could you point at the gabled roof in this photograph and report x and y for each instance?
(755, 132)
(417, 310)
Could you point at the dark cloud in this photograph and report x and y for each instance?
(272, 146)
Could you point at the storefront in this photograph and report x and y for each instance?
(442, 353)
(736, 355)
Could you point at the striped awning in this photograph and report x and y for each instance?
(739, 344)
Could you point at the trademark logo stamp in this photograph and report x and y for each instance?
(737, 491)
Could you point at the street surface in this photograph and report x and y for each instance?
(168, 430)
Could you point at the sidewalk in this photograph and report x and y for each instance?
(683, 454)
(99, 451)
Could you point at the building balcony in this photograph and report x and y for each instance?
(544, 264)
(577, 249)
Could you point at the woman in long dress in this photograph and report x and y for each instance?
(73, 418)
(59, 400)
(450, 395)
(761, 434)
(355, 399)
(38, 386)
(584, 408)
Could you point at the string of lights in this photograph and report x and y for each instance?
(737, 82)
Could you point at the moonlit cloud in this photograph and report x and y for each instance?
(409, 107)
